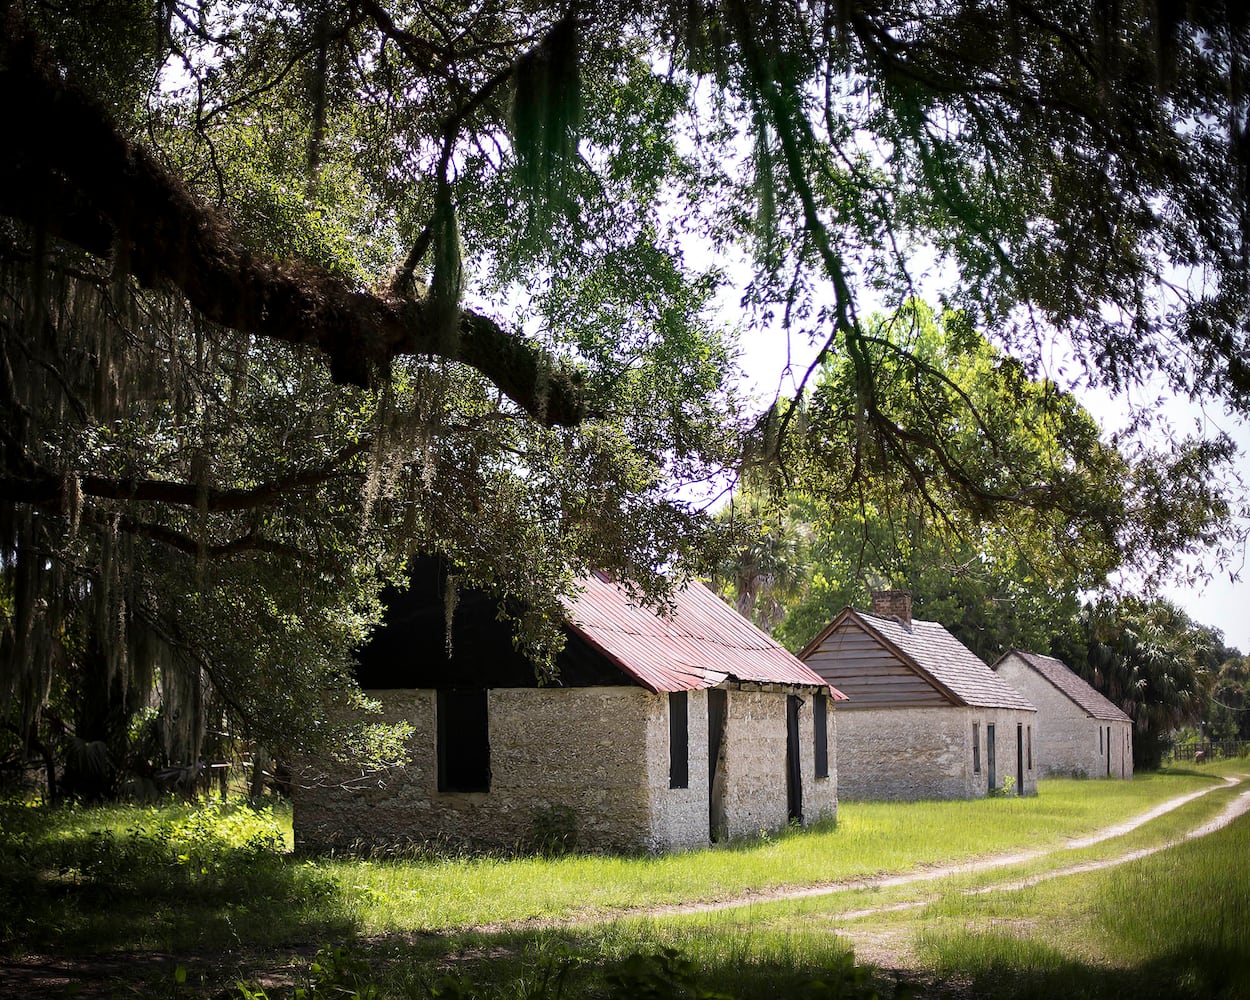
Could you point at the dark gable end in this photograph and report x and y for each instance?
(610, 641)
(409, 649)
(869, 670)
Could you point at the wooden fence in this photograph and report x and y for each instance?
(1188, 750)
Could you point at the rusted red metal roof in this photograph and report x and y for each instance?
(700, 644)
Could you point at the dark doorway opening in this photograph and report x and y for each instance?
(717, 717)
(794, 773)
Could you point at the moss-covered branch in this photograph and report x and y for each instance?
(68, 172)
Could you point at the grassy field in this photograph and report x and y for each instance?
(1169, 925)
(217, 886)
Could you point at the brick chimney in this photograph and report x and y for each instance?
(892, 604)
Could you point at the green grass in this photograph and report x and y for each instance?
(219, 881)
(437, 894)
(828, 912)
(1175, 924)
(169, 878)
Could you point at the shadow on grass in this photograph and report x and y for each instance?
(1003, 966)
(1189, 772)
(611, 962)
(605, 964)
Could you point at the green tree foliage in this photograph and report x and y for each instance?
(947, 522)
(1228, 709)
(767, 563)
(197, 516)
(1150, 659)
(470, 225)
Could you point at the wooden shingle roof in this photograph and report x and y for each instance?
(935, 654)
(1075, 688)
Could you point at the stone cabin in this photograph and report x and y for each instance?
(1081, 732)
(660, 733)
(926, 718)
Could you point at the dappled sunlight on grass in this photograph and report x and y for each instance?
(166, 878)
(215, 877)
(632, 958)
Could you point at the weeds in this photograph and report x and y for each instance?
(161, 878)
(220, 877)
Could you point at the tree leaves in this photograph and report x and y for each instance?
(1068, 172)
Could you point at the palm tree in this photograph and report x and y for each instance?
(1153, 661)
(767, 563)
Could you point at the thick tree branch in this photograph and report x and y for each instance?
(47, 490)
(66, 171)
(251, 542)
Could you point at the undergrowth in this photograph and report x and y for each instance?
(166, 878)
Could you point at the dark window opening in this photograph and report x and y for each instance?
(1030, 735)
(820, 731)
(678, 740)
(463, 741)
(976, 748)
(991, 755)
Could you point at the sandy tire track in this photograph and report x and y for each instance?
(1238, 807)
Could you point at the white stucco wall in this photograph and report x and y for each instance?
(1072, 744)
(926, 753)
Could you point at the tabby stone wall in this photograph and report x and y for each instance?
(679, 816)
(558, 755)
(591, 762)
(1072, 744)
(755, 763)
(927, 753)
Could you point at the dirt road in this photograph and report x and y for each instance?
(1238, 807)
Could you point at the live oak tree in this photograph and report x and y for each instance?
(195, 508)
(937, 505)
(476, 227)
